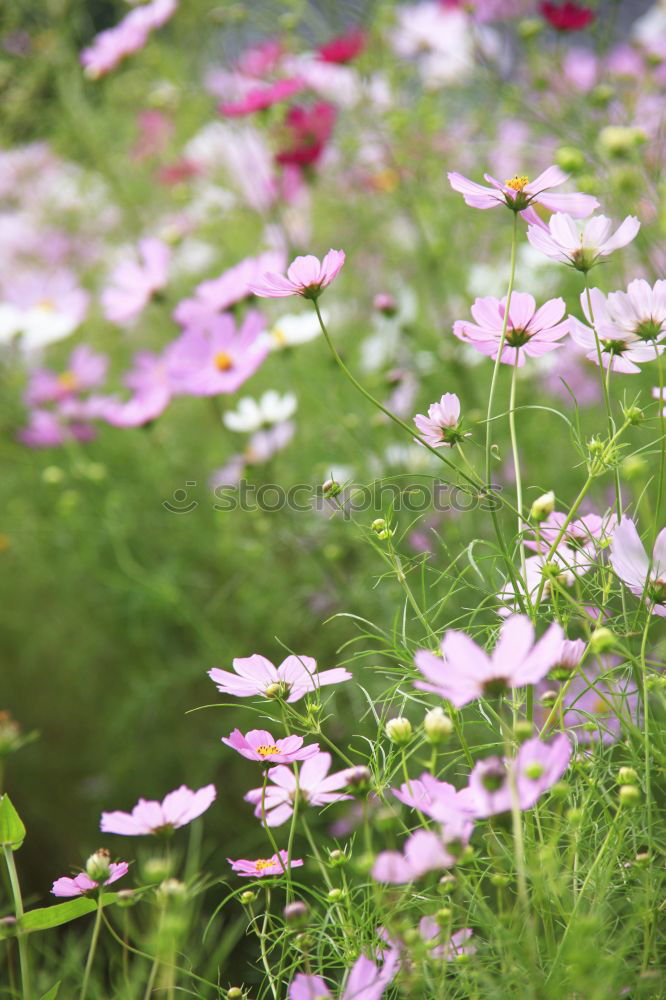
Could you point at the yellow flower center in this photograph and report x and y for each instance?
(267, 750)
(262, 863)
(279, 336)
(68, 381)
(46, 304)
(518, 182)
(223, 361)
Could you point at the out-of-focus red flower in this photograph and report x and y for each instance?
(308, 129)
(344, 48)
(155, 130)
(567, 16)
(176, 173)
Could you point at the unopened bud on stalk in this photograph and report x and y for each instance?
(335, 895)
(172, 889)
(296, 913)
(523, 730)
(331, 488)
(602, 640)
(575, 816)
(620, 140)
(234, 993)
(358, 777)
(381, 529)
(542, 507)
(602, 94)
(385, 303)
(548, 698)
(570, 159)
(97, 865)
(499, 879)
(337, 858)
(633, 414)
(126, 897)
(247, 897)
(560, 790)
(627, 776)
(443, 916)
(437, 725)
(155, 869)
(399, 730)
(446, 883)
(629, 796)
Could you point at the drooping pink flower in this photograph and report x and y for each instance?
(621, 350)
(212, 297)
(344, 48)
(424, 851)
(440, 428)
(449, 950)
(494, 781)
(263, 867)
(530, 331)
(582, 248)
(261, 97)
(82, 883)
(631, 563)
(305, 133)
(131, 34)
(465, 671)
(176, 809)
(256, 676)
(258, 744)
(215, 357)
(567, 16)
(315, 787)
(306, 276)
(519, 194)
(366, 980)
(442, 802)
(85, 370)
(132, 284)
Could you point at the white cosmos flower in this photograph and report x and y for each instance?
(38, 326)
(252, 414)
(292, 329)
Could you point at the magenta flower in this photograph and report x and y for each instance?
(260, 98)
(81, 883)
(631, 563)
(85, 370)
(529, 332)
(131, 34)
(212, 297)
(424, 851)
(366, 981)
(621, 350)
(177, 809)
(51, 428)
(315, 787)
(132, 284)
(256, 676)
(563, 240)
(441, 427)
(519, 193)
(457, 944)
(532, 772)
(465, 672)
(258, 744)
(215, 358)
(264, 866)
(306, 276)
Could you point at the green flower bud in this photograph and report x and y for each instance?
(619, 141)
(437, 725)
(155, 869)
(542, 507)
(381, 529)
(602, 640)
(247, 897)
(575, 816)
(443, 916)
(629, 796)
(97, 865)
(235, 993)
(296, 913)
(335, 895)
(523, 730)
(529, 27)
(337, 858)
(53, 475)
(331, 488)
(399, 730)
(499, 879)
(570, 159)
(627, 776)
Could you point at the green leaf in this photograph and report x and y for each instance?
(12, 830)
(47, 917)
(52, 993)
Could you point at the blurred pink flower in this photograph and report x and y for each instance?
(264, 866)
(465, 671)
(593, 706)
(262, 97)
(176, 809)
(131, 34)
(440, 427)
(51, 428)
(81, 883)
(233, 285)
(442, 802)
(343, 48)
(424, 851)
(366, 980)
(530, 331)
(258, 744)
(632, 564)
(305, 132)
(149, 380)
(519, 193)
(306, 276)
(214, 357)
(85, 370)
(532, 772)
(132, 285)
(295, 677)
(315, 788)
(449, 950)
(563, 240)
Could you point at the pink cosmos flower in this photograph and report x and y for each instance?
(306, 276)
(81, 883)
(261, 97)
(660, 395)
(134, 284)
(631, 563)
(588, 534)
(233, 285)
(306, 132)
(563, 240)
(151, 385)
(593, 706)
(256, 676)
(258, 744)
(51, 428)
(621, 351)
(442, 802)
(530, 331)
(533, 771)
(465, 671)
(563, 567)
(440, 427)
(315, 787)
(264, 866)
(85, 370)
(457, 944)
(344, 48)
(366, 981)
(131, 34)
(519, 193)
(176, 809)
(424, 851)
(641, 310)
(216, 357)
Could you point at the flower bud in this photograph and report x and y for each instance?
(399, 730)
(10, 735)
(523, 730)
(542, 507)
(335, 895)
(296, 913)
(97, 865)
(548, 698)
(629, 796)
(633, 467)
(602, 94)
(570, 159)
(575, 816)
(560, 790)
(445, 884)
(234, 993)
(602, 640)
(529, 27)
(633, 414)
(385, 304)
(337, 858)
(499, 879)
(437, 725)
(247, 897)
(172, 889)
(155, 869)
(627, 776)
(53, 475)
(381, 529)
(620, 141)
(331, 488)
(443, 916)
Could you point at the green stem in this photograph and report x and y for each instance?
(498, 359)
(516, 467)
(93, 946)
(18, 911)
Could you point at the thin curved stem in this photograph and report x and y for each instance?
(93, 947)
(18, 910)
